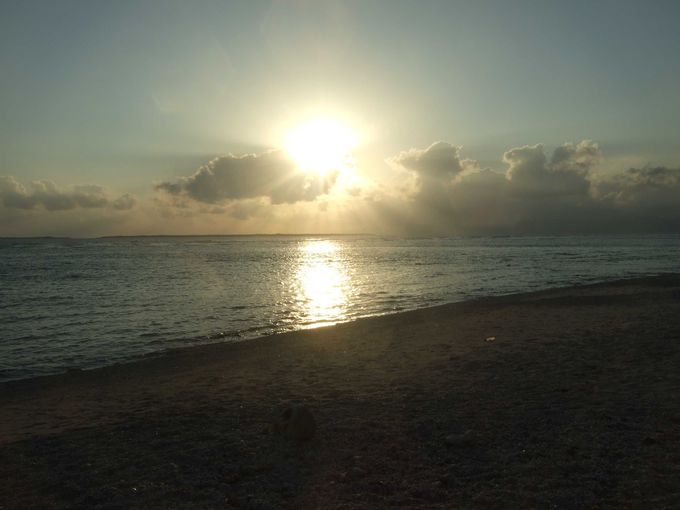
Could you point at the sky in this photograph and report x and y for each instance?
(390, 117)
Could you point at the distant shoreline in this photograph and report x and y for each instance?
(387, 236)
(188, 235)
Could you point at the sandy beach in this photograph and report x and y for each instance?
(566, 398)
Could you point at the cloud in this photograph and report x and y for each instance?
(431, 175)
(14, 195)
(270, 174)
(643, 199)
(651, 185)
(124, 202)
(430, 191)
(439, 160)
(530, 173)
(43, 208)
(536, 194)
(46, 194)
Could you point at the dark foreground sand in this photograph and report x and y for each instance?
(575, 404)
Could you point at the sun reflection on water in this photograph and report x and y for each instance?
(322, 283)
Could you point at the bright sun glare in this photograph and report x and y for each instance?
(321, 145)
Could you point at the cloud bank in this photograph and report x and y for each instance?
(46, 194)
(44, 209)
(536, 194)
(429, 191)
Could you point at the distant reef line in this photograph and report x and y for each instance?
(142, 236)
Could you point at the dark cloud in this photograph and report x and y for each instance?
(45, 193)
(14, 195)
(530, 173)
(657, 181)
(644, 199)
(271, 174)
(433, 170)
(439, 160)
(581, 157)
(536, 194)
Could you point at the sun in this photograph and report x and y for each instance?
(321, 145)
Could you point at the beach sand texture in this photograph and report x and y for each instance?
(567, 398)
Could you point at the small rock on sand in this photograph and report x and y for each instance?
(296, 422)
(456, 440)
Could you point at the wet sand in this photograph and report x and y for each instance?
(567, 398)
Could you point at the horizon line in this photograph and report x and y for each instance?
(308, 234)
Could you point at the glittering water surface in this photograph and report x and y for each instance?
(86, 303)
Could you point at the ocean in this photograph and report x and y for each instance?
(86, 303)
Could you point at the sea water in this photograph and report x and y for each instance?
(67, 303)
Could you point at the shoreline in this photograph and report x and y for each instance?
(162, 354)
(563, 397)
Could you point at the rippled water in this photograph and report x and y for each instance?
(86, 303)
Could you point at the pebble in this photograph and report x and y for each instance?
(464, 439)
